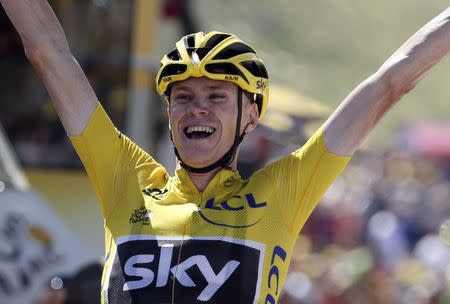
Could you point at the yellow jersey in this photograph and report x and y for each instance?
(166, 242)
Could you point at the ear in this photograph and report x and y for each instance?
(252, 117)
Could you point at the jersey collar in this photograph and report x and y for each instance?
(223, 183)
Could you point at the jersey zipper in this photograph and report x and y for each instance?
(185, 234)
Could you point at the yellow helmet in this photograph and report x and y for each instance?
(218, 56)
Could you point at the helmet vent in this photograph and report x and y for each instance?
(202, 52)
(215, 40)
(172, 69)
(224, 68)
(190, 41)
(234, 49)
(174, 55)
(256, 68)
(194, 57)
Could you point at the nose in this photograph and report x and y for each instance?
(199, 107)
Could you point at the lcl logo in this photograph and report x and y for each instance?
(213, 211)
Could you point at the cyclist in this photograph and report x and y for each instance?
(205, 235)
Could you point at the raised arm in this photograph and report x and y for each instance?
(47, 48)
(362, 109)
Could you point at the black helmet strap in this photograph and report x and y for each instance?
(228, 157)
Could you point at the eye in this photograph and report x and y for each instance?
(217, 97)
(182, 98)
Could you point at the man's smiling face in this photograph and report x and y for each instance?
(203, 115)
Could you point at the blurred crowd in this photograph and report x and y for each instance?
(82, 287)
(379, 236)
(27, 115)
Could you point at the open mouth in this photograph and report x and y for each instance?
(198, 132)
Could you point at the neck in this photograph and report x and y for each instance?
(201, 180)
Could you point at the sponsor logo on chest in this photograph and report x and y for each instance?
(202, 269)
(243, 211)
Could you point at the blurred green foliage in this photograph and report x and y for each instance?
(325, 48)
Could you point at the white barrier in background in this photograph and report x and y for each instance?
(34, 246)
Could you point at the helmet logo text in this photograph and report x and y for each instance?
(232, 78)
(261, 85)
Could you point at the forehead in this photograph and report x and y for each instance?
(202, 83)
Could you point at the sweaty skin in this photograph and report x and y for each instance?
(213, 104)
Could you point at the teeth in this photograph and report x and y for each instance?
(199, 129)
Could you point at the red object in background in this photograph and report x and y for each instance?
(432, 140)
(179, 10)
(172, 8)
